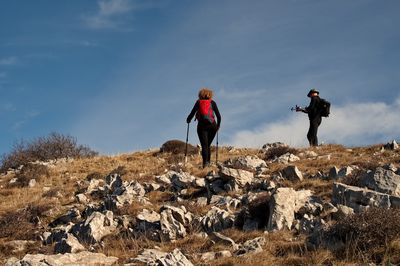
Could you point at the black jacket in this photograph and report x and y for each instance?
(312, 109)
(196, 108)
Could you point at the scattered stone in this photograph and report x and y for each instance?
(220, 238)
(72, 216)
(345, 171)
(249, 163)
(209, 256)
(160, 258)
(81, 198)
(149, 256)
(239, 177)
(382, 180)
(251, 246)
(82, 258)
(284, 203)
(113, 182)
(69, 244)
(342, 212)
(148, 220)
(173, 221)
(359, 198)
(292, 173)
(391, 145)
(334, 173)
(324, 157)
(217, 220)
(32, 183)
(286, 158)
(95, 227)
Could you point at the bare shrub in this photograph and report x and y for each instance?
(20, 224)
(53, 146)
(366, 235)
(31, 171)
(178, 147)
(276, 152)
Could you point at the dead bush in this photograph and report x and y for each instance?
(178, 147)
(367, 235)
(20, 224)
(276, 152)
(53, 146)
(31, 171)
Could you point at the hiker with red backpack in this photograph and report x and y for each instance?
(317, 109)
(207, 127)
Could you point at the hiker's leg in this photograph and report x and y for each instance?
(203, 137)
(312, 132)
(211, 132)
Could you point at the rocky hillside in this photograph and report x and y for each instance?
(276, 205)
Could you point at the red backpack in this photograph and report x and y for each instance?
(205, 112)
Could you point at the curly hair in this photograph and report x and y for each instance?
(205, 94)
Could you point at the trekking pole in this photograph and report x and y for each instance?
(186, 146)
(216, 152)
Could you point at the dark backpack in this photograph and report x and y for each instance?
(205, 112)
(324, 108)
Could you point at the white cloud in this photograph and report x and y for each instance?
(108, 14)
(351, 124)
(9, 61)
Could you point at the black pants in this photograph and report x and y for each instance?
(206, 133)
(313, 130)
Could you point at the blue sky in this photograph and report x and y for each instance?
(122, 75)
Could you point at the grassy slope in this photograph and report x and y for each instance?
(19, 205)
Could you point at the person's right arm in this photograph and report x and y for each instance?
(193, 112)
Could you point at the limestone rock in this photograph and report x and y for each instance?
(292, 173)
(250, 163)
(148, 220)
(286, 158)
(95, 227)
(391, 145)
(82, 258)
(382, 180)
(251, 246)
(160, 258)
(343, 212)
(283, 205)
(220, 238)
(81, 198)
(173, 221)
(239, 177)
(217, 220)
(174, 258)
(69, 244)
(359, 198)
(209, 256)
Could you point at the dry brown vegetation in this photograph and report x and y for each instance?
(25, 212)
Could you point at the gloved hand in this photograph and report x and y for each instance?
(188, 120)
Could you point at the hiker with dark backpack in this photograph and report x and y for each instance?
(317, 109)
(207, 127)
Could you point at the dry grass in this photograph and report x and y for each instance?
(282, 248)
